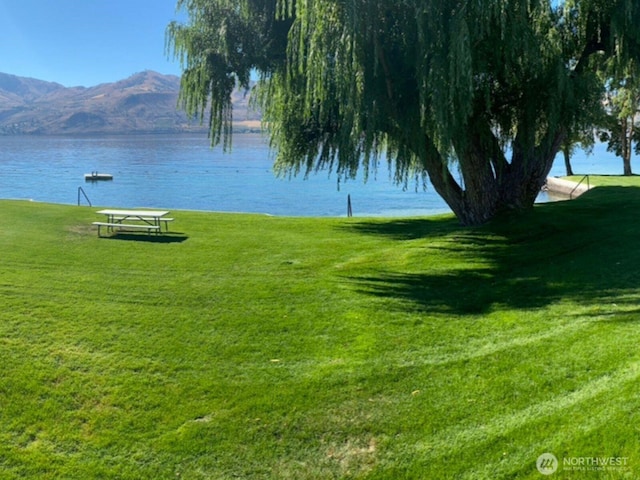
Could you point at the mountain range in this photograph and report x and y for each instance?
(143, 103)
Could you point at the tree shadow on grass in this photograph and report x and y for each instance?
(583, 250)
(625, 315)
(407, 229)
(469, 293)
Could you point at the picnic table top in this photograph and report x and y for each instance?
(134, 213)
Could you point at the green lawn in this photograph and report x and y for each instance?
(255, 347)
(607, 180)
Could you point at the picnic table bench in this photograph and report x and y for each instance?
(124, 226)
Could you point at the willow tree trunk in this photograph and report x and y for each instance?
(490, 184)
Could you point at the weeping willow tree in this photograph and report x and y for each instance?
(476, 95)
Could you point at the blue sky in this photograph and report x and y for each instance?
(85, 42)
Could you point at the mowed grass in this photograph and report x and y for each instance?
(255, 347)
(607, 180)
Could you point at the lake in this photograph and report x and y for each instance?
(183, 172)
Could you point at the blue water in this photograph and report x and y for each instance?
(183, 172)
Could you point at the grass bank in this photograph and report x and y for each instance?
(245, 346)
(608, 180)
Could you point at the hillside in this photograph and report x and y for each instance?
(143, 103)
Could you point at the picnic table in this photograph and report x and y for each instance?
(149, 220)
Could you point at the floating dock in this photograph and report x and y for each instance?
(95, 176)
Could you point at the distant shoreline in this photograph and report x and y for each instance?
(239, 128)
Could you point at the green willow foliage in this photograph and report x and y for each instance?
(223, 43)
(444, 88)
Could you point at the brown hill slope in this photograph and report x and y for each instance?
(143, 103)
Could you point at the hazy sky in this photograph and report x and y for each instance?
(85, 42)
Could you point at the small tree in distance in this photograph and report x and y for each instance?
(623, 119)
(478, 96)
(583, 137)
